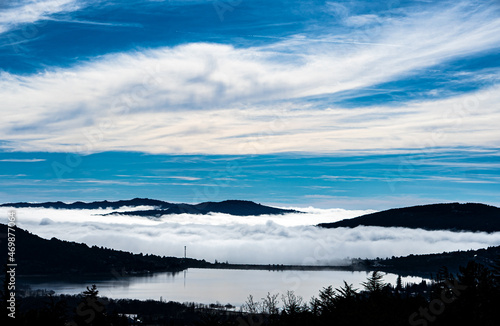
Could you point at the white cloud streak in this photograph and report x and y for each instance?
(31, 11)
(210, 98)
(15, 160)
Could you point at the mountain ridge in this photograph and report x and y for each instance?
(232, 207)
(473, 217)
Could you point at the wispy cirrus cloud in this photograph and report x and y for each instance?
(171, 177)
(213, 98)
(470, 179)
(28, 160)
(111, 182)
(31, 11)
(266, 129)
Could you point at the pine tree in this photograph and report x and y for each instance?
(346, 292)
(399, 284)
(374, 282)
(327, 299)
(91, 310)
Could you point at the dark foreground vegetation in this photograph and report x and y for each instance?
(38, 256)
(471, 297)
(426, 265)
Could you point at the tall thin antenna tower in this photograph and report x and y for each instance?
(184, 252)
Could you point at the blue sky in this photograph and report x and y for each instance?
(352, 104)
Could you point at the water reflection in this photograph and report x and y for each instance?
(209, 285)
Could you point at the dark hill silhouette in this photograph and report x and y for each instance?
(95, 205)
(427, 264)
(233, 207)
(35, 255)
(243, 207)
(452, 216)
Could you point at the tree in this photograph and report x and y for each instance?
(315, 306)
(251, 306)
(91, 310)
(399, 285)
(374, 282)
(346, 292)
(471, 298)
(292, 304)
(270, 304)
(327, 299)
(443, 274)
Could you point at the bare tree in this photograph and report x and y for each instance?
(292, 303)
(251, 306)
(270, 304)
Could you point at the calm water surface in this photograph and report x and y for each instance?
(211, 285)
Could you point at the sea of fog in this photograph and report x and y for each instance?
(267, 239)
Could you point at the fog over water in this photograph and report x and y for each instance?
(281, 239)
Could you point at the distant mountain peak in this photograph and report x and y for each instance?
(448, 216)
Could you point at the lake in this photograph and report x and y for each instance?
(211, 285)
